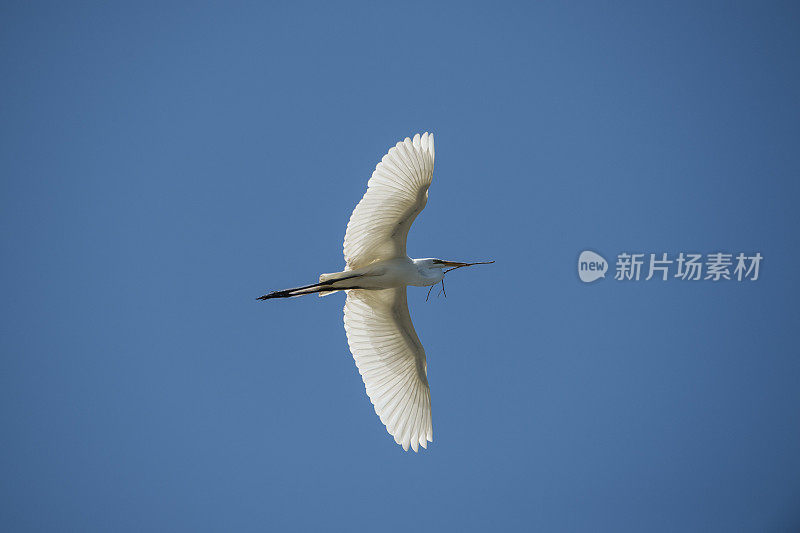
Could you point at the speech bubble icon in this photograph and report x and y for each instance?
(591, 266)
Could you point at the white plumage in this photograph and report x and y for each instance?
(386, 349)
(380, 333)
(391, 361)
(396, 193)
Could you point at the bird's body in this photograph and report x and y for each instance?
(391, 273)
(382, 339)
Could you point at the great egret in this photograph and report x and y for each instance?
(387, 350)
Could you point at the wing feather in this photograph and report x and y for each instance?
(396, 193)
(391, 361)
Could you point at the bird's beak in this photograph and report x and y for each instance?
(456, 264)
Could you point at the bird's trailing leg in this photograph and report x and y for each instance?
(322, 286)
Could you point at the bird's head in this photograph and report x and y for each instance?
(442, 267)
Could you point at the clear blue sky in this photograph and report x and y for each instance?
(164, 164)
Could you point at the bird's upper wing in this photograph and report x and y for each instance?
(396, 193)
(391, 361)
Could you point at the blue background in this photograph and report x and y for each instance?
(164, 164)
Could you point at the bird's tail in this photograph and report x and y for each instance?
(326, 285)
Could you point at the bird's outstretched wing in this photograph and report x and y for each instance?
(396, 193)
(391, 361)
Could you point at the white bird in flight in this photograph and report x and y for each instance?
(387, 350)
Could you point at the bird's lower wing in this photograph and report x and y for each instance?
(391, 361)
(396, 193)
